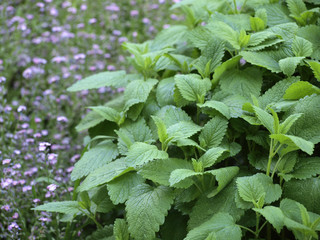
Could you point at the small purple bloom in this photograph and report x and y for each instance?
(26, 188)
(6, 161)
(52, 187)
(43, 146)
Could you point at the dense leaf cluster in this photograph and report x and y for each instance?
(216, 135)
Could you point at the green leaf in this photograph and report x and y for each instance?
(294, 142)
(136, 132)
(300, 89)
(211, 156)
(95, 158)
(205, 207)
(114, 79)
(243, 82)
(213, 132)
(182, 130)
(171, 115)
(120, 188)
(274, 215)
(120, 229)
(106, 233)
(250, 190)
(165, 91)
(257, 24)
(301, 47)
(299, 189)
(222, 225)
(141, 153)
(225, 66)
(315, 66)
(90, 120)
(139, 89)
(287, 124)
(146, 210)
(66, 207)
(105, 174)
(305, 168)
(265, 118)
(312, 34)
(260, 37)
(288, 65)
(296, 7)
(182, 178)
(276, 92)
(226, 33)
(219, 106)
(192, 87)
(162, 130)
(199, 37)
(223, 176)
(277, 14)
(159, 170)
(307, 126)
(107, 113)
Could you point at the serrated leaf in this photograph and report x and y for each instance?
(287, 124)
(300, 90)
(120, 188)
(139, 89)
(105, 174)
(243, 82)
(141, 153)
(315, 66)
(213, 132)
(165, 91)
(288, 65)
(219, 106)
(95, 158)
(186, 142)
(301, 47)
(295, 142)
(114, 79)
(207, 207)
(226, 33)
(257, 24)
(211, 156)
(307, 126)
(182, 178)
(146, 210)
(305, 168)
(106, 233)
(225, 66)
(223, 177)
(120, 229)
(162, 130)
(159, 170)
(274, 215)
(259, 37)
(221, 224)
(90, 120)
(66, 207)
(296, 7)
(299, 189)
(265, 118)
(137, 131)
(192, 87)
(277, 14)
(312, 34)
(276, 92)
(200, 37)
(182, 130)
(172, 115)
(250, 190)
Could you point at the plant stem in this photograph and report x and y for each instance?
(257, 224)
(248, 229)
(235, 6)
(275, 167)
(244, 3)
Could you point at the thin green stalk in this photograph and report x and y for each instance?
(257, 224)
(248, 229)
(270, 158)
(275, 167)
(235, 6)
(244, 3)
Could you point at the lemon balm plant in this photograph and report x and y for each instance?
(216, 134)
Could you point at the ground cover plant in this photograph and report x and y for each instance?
(216, 134)
(44, 47)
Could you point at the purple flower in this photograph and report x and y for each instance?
(134, 13)
(6, 207)
(6, 161)
(15, 215)
(146, 20)
(27, 73)
(36, 200)
(43, 146)
(113, 7)
(52, 187)
(59, 59)
(62, 119)
(79, 56)
(26, 188)
(2, 79)
(92, 20)
(242, 61)
(13, 225)
(21, 108)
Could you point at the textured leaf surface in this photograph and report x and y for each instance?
(67, 207)
(107, 113)
(274, 215)
(205, 207)
(120, 229)
(211, 156)
(221, 224)
(299, 189)
(165, 91)
(95, 158)
(182, 178)
(301, 47)
(300, 89)
(312, 34)
(120, 188)
(139, 89)
(183, 130)
(213, 132)
(114, 79)
(265, 118)
(244, 82)
(141, 153)
(288, 65)
(104, 174)
(293, 141)
(219, 106)
(90, 120)
(249, 189)
(159, 170)
(146, 210)
(315, 66)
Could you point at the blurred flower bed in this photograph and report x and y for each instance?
(45, 46)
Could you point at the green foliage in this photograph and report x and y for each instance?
(216, 129)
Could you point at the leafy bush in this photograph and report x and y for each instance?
(216, 134)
